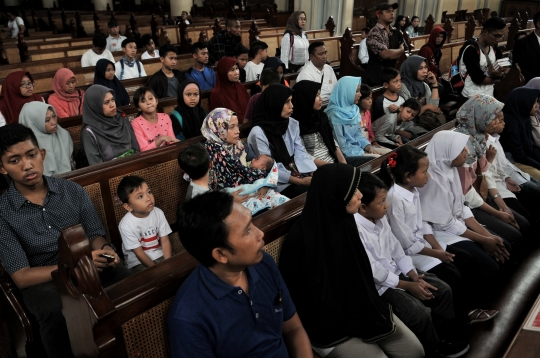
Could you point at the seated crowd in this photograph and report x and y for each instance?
(394, 264)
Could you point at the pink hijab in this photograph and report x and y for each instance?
(65, 104)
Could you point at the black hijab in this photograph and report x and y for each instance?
(326, 267)
(192, 118)
(310, 120)
(267, 115)
(120, 94)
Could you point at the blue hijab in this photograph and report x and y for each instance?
(341, 108)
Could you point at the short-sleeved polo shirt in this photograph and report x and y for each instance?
(210, 318)
(29, 233)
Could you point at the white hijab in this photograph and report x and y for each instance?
(442, 198)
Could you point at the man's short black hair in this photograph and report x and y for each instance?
(12, 134)
(165, 49)
(127, 185)
(230, 21)
(239, 50)
(313, 46)
(112, 23)
(369, 186)
(269, 76)
(99, 41)
(256, 47)
(145, 39)
(201, 224)
(536, 18)
(194, 160)
(388, 74)
(366, 30)
(128, 41)
(197, 46)
(413, 104)
(493, 24)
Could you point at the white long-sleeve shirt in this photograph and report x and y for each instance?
(387, 258)
(299, 54)
(363, 54)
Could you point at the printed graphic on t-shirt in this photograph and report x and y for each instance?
(149, 239)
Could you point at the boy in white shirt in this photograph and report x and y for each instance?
(414, 296)
(97, 52)
(363, 54)
(150, 46)
(128, 66)
(254, 68)
(144, 229)
(114, 41)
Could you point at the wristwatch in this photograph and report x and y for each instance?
(495, 196)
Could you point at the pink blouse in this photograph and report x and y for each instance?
(147, 133)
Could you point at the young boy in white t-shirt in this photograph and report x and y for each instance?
(254, 68)
(144, 229)
(128, 66)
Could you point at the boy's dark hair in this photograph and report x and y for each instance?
(240, 49)
(406, 162)
(388, 74)
(369, 186)
(112, 23)
(494, 23)
(413, 104)
(269, 76)
(536, 18)
(255, 47)
(313, 46)
(127, 185)
(99, 41)
(14, 133)
(128, 41)
(197, 46)
(140, 93)
(201, 224)
(230, 21)
(365, 91)
(194, 160)
(145, 39)
(165, 49)
(366, 30)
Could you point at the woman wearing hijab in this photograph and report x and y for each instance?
(105, 76)
(517, 138)
(17, 90)
(106, 133)
(279, 66)
(220, 128)
(431, 51)
(188, 116)
(294, 43)
(443, 207)
(229, 92)
(42, 120)
(66, 99)
(344, 115)
(315, 129)
(276, 134)
(478, 115)
(328, 273)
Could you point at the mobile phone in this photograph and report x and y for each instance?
(110, 258)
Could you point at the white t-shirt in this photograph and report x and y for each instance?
(253, 71)
(129, 72)
(363, 54)
(2, 120)
(14, 26)
(115, 44)
(470, 88)
(90, 58)
(146, 56)
(143, 232)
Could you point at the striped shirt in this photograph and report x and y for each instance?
(316, 148)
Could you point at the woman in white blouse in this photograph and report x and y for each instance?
(294, 43)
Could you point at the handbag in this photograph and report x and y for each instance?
(429, 119)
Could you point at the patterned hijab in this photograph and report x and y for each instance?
(341, 108)
(409, 76)
(215, 128)
(292, 24)
(473, 118)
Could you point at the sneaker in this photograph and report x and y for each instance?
(452, 350)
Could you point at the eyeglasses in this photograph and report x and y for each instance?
(302, 19)
(27, 85)
(497, 36)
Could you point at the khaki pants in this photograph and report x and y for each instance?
(532, 171)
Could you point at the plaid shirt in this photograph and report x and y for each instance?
(378, 39)
(222, 45)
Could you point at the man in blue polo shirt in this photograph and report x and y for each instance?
(235, 303)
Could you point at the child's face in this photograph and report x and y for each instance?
(140, 201)
(496, 126)
(534, 109)
(260, 161)
(357, 95)
(355, 203)
(394, 85)
(263, 54)
(26, 86)
(377, 208)
(201, 56)
(168, 60)
(191, 95)
(280, 72)
(234, 74)
(233, 132)
(148, 103)
(363, 35)
(407, 114)
(460, 160)
(366, 103)
(109, 72)
(421, 177)
(51, 122)
(70, 85)
(130, 50)
(150, 46)
(23, 162)
(242, 60)
(113, 31)
(109, 105)
(317, 105)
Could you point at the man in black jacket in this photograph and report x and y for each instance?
(527, 52)
(166, 81)
(224, 42)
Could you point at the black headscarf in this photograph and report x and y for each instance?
(310, 120)
(275, 62)
(326, 267)
(120, 94)
(267, 115)
(192, 118)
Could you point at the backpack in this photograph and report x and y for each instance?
(457, 79)
(122, 65)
